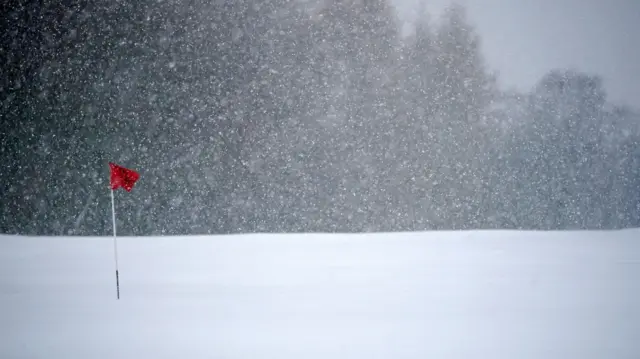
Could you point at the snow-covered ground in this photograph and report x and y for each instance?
(484, 294)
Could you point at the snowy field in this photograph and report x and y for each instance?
(485, 294)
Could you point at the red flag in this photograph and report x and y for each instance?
(122, 177)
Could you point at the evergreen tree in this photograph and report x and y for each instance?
(464, 93)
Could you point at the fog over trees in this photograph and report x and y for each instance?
(292, 116)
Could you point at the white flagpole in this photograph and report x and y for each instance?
(115, 243)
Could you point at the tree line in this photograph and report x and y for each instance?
(292, 116)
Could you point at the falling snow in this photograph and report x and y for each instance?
(294, 116)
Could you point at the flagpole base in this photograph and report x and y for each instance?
(118, 284)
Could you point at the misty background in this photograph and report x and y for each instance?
(292, 116)
(524, 39)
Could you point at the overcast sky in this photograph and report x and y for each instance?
(523, 39)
